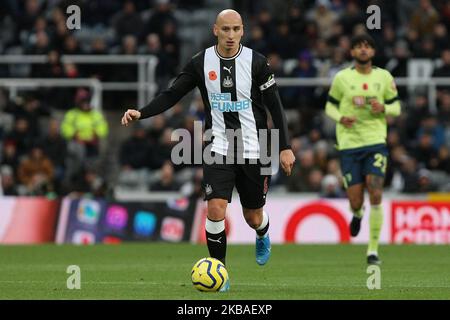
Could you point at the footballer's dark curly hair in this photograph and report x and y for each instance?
(363, 38)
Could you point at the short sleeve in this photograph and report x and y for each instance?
(335, 94)
(390, 91)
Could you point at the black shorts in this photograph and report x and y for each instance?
(252, 186)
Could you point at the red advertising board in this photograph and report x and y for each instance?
(26, 220)
(420, 222)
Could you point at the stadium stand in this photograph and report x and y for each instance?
(305, 40)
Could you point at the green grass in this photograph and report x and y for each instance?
(162, 271)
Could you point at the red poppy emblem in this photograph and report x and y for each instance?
(212, 75)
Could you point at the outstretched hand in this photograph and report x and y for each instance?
(287, 160)
(129, 116)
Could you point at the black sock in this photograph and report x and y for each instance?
(217, 245)
(263, 231)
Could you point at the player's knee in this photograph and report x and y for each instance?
(376, 197)
(216, 211)
(253, 217)
(253, 222)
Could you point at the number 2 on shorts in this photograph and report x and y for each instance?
(380, 162)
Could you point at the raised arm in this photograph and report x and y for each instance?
(185, 82)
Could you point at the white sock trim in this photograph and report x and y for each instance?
(214, 227)
(264, 222)
(375, 253)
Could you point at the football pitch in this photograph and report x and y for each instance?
(162, 271)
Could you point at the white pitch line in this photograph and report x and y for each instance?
(236, 284)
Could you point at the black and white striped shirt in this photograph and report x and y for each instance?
(235, 92)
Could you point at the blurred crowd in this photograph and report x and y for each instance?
(41, 155)
(302, 39)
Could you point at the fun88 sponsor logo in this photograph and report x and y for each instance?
(223, 103)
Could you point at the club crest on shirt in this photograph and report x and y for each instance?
(359, 101)
(227, 82)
